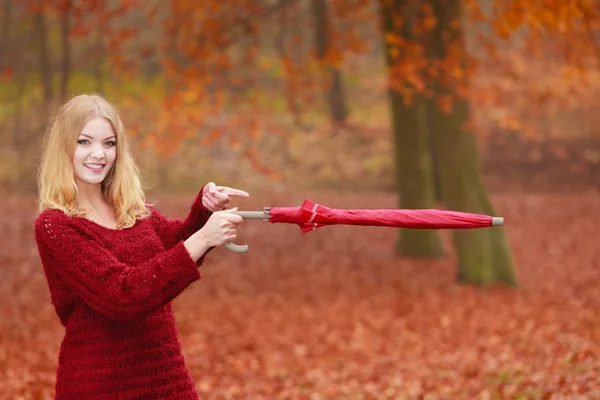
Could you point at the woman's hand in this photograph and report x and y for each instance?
(216, 198)
(219, 229)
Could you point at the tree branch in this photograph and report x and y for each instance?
(246, 24)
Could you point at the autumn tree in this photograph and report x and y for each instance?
(329, 60)
(288, 44)
(414, 174)
(426, 56)
(211, 48)
(41, 27)
(484, 256)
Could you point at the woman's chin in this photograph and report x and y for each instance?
(91, 180)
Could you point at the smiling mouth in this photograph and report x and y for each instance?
(94, 167)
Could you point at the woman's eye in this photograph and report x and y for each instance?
(111, 143)
(83, 141)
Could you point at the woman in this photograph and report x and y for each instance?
(114, 263)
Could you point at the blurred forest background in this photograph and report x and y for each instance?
(486, 106)
(253, 83)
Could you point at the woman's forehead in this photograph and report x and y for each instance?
(98, 128)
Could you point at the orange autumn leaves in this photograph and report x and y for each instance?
(213, 59)
(334, 314)
(516, 61)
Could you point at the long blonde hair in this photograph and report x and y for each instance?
(57, 189)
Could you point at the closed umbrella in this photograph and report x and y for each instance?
(310, 216)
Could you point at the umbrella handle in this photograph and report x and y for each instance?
(243, 248)
(236, 248)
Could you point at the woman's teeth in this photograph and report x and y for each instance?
(94, 167)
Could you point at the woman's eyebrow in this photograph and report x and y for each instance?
(88, 136)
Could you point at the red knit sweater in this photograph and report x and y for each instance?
(112, 291)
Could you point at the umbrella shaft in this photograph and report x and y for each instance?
(264, 215)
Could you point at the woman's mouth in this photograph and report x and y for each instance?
(94, 167)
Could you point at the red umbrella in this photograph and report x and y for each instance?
(310, 216)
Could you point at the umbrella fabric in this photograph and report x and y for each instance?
(311, 216)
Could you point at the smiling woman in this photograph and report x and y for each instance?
(87, 168)
(114, 263)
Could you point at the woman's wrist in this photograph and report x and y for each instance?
(196, 245)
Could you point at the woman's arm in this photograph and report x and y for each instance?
(172, 231)
(109, 286)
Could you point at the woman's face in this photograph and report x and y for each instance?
(95, 153)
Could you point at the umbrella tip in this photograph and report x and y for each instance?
(497, 221)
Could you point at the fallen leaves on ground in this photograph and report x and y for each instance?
(333, 314)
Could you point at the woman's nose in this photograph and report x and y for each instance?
(97, 152)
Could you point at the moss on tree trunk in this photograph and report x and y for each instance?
(484, 256)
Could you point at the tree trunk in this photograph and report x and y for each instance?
(5, 47)
(44, 58)
(22, 123)
(66, 50)
(99, 64)
(430, 112)
(414, 175)
(336, 97)
(484, 255)
(288, 61)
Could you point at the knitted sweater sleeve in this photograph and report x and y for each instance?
(107, 285)
(172, 231)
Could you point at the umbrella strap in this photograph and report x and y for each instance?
(314, 213)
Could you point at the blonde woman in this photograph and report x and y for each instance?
(114, 263)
